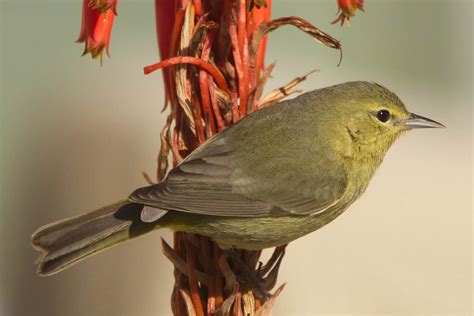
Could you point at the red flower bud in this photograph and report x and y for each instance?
(97, 21)
(347, 9)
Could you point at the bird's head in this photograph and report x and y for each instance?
(371, 116)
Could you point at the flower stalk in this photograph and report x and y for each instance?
(212, 55)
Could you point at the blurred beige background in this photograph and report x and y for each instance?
(75, 136)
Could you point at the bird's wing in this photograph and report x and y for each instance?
(210, 182)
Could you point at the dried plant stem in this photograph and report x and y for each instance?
(225, 85)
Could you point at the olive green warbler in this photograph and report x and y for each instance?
(278, 174)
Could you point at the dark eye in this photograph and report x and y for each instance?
(383, 115)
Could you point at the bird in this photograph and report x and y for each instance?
(278, 174)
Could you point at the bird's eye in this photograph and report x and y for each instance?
(383, 115)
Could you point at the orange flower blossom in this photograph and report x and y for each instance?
(97, 21)
(347, 9)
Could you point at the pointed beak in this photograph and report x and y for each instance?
(417, 121)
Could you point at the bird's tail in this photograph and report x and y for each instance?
(69, 241)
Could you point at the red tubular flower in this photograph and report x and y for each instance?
(347, 9)
(97, 21)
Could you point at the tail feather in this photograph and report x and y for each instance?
(69, 241)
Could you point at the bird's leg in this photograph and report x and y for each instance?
(250, 277)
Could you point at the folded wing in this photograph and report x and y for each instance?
(217, 180)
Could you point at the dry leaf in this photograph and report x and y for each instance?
(224, 309)
(165, 137)
(256, 94)
(181, 70)
(270, 280)
(180, 264)
(266, 27)
(248, 302)
(231, 284)
(266, 308)
(277, 253)
(188, 301)
(277, 95)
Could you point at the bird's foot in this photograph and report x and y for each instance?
(249, 276)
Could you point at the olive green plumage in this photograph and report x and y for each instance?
(280, 173)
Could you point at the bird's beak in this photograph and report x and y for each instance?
(417, 121)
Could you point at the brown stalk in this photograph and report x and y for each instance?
(223, 86)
